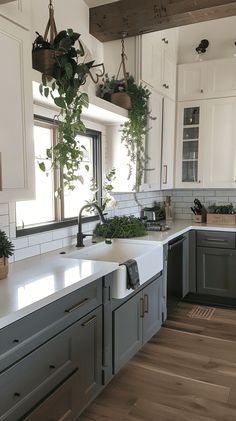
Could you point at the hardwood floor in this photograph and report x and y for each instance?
(185, 373)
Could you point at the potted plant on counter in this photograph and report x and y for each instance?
(221, 214)
(6, 250)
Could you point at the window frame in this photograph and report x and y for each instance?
(60, 221)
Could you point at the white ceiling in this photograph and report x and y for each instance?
(94, 3)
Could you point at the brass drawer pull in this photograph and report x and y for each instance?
(76, 306)
(90, 321)
(146, 303)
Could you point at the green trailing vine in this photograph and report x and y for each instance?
(134, 130)
(68, 77)
(107, 187)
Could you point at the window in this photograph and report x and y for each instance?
(47, 209)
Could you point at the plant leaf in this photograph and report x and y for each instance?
(42, 166)
(59, 101)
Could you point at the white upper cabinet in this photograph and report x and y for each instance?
(158, 61)
(207, 79)
(221, 78)
(205, 144)
(152, 173)
(168, 144)
(191, 81)
(17, 11)
(219, 143)
(16, 110)
(190, 138)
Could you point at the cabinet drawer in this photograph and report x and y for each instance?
(216, 239)
(32, 378)
(31, 331)
(59, 406)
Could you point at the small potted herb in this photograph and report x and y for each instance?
(6, 250)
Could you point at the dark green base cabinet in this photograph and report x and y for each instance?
(216, 264)
(216, 272)
(58, 379)
(135, 322)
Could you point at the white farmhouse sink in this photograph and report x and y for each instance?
(148, 255)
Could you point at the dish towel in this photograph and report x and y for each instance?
(133, 281)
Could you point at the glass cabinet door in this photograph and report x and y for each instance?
(190, 137)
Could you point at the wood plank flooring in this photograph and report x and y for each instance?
(185, 373)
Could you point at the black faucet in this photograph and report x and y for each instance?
(80, 235)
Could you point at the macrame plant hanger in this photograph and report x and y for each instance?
(44, 59)
(51, 25)
(122, 98)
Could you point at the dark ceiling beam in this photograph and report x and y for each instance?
(135, 17)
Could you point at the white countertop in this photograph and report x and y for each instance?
(35, 282)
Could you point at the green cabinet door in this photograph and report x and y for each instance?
(152, 302)
(127, 330)
(216, 271)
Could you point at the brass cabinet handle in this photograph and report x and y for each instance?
(146, 303)
(90, 321)
(142, 308)
(76, 306)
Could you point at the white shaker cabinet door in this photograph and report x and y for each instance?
(152, 173)
(221, 78)
(168, 144)
(220, 145)
(191, 81)
(16, 114)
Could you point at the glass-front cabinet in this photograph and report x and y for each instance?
(188, 146)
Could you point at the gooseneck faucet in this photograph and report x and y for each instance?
(80, 235)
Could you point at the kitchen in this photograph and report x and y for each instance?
(215, 182)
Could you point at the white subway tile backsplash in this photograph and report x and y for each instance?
(4, 210)
(20, 243)
(26, 252)
(12, 212)
(40, 238)
(4, 220)
(62, 233)
(50, 246)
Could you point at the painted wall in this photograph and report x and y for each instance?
(220, 34)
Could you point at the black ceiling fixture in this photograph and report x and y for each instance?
(202, 46)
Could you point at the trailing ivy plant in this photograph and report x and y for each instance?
(68, 77)
(107, 187)
(134, 130)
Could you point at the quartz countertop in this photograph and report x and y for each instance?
(37, 281)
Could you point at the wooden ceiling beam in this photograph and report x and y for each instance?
(135, 17)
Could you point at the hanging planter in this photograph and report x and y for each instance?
(62, 78)
(134, 97)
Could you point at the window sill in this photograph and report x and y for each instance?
(36, 229)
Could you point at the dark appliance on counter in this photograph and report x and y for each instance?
(175, 273)
(153, 213)
(154, 218)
